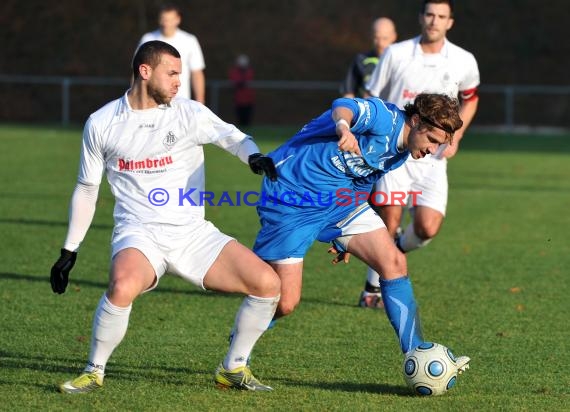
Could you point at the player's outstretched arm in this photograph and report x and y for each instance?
(81, 212)
(229, 138)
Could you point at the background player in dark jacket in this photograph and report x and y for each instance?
(359, 72)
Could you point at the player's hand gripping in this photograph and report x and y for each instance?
(260, 164)
(450, 150)
(60, 271)
(343, 257)
(346, 140)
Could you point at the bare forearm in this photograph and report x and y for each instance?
(342, 113)
(343, 116)
(467, 113)
(198, 81)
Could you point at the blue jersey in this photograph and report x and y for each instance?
(319, 185)
(312, 162)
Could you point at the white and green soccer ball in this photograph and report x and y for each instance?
(430, 369)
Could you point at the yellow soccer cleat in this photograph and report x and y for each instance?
(86, 382)
(238, 378)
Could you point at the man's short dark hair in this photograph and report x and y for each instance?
(170, 7)
(448, 2)
(150, 53)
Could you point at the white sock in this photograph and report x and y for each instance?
(373, 278)
(252, 319)
(410, 241)
(109, 327)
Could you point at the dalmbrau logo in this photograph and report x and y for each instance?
(144, 164)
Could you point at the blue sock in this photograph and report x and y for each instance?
(402, 311)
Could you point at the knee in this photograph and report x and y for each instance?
(400, 262)
(392, 222)
(426, 229)
(395, 264)
(122, 289)
(268, 284)
(286, 307)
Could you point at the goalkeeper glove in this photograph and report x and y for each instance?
(260, 164)
(60, 271)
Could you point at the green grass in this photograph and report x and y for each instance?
(493, 285)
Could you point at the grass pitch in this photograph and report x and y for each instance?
(493, 285)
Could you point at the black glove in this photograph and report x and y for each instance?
(60, 271)
(261, 164)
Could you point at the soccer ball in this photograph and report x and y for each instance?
(430, 369)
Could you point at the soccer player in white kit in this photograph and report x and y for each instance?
(192, 78)
(149, 144)
(427, 63)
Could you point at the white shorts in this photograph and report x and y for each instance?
(363, 220)
(426, 177)
(186, 251)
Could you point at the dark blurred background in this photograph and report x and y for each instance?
(517, 43)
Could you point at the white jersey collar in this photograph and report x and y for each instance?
(418, 48)
(127, 105)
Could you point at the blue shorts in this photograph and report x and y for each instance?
(289, 231)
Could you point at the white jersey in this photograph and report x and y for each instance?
(404, 71)
(154, 155)
(190, 54)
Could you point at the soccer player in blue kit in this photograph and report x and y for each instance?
(323, 169)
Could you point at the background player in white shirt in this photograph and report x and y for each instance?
(146, 141)
(192, 78)
(427, 63)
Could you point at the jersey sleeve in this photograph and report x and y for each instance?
(369, 114)
(92, 162)
(471, 79)
(145, 38)
(196, 59)
(81, 212)
(347, 102)
(212, 129)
